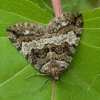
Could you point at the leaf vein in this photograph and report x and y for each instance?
(14, 76)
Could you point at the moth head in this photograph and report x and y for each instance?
(56, 69)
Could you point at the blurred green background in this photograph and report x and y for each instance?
(76, 5)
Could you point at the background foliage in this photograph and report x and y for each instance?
(76, 5)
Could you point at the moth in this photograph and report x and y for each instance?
(50, 50)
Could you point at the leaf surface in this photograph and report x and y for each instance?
(43, 5)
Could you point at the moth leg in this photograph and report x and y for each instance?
(44, 83)
(38, 74)
(71, 67)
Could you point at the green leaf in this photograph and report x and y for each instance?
(81, 81)
(26, 9)
(43, 5)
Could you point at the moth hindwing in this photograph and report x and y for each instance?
(49, 50)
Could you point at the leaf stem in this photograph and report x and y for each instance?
(57, 7)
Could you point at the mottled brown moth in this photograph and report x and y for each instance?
(50, 50)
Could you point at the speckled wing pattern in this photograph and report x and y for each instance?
(50, 49)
